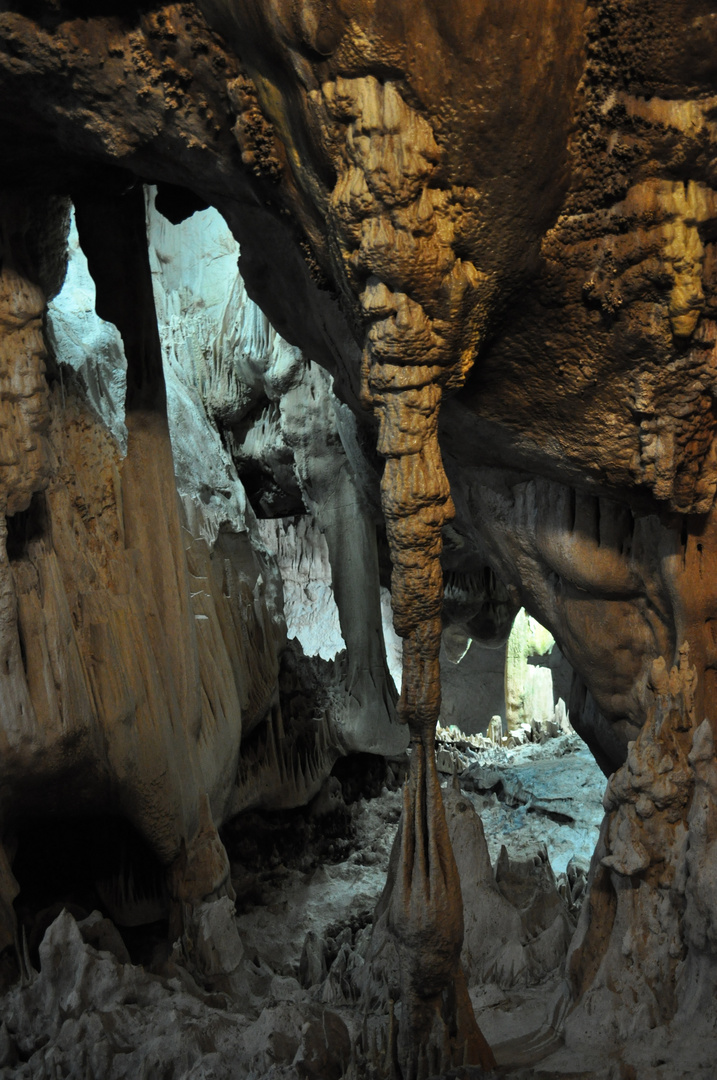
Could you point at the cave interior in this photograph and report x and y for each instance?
(358, 705)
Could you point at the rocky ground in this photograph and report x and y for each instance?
(311, 994)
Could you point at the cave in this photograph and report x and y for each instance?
(357, 482)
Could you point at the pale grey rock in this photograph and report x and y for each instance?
(517, 926)
(392, 642)
(88, 344)
(203, 314)
(554, 790)
(103, 935)
(276, 1036)
(312, 965)
(492, 949)
(331, 491)
(301, 553)
(285, 988)
(86, 1015)
(101, 1018)
(228, 370)
(217, 946)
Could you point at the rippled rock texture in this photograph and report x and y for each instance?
(494, 224)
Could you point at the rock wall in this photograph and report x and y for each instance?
(250, 414)
(144, 611)
(136, 652)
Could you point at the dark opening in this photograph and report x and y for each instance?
(266, 497)
(26, 526)
(86, 864)
(50, 14)
(177, 203)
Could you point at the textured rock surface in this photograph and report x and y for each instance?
(120, 693)
(152, 627)
(495, 223)
(529, 689)
(246, 406)
(90, 1012)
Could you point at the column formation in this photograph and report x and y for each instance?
(398, 229)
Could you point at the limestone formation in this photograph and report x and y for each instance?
(528, 693)
(494, 225)
(112, 681)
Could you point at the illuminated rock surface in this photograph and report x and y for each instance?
(494, 226)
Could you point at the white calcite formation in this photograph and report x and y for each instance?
(260, 727)
(89, 345)
(310, 608)
(142, 636)
(241, 398)
(524, 681)
(528, 689)
(494, 225)
(143, 623)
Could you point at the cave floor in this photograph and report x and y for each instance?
(307, 883)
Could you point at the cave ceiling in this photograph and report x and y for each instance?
(535, 191)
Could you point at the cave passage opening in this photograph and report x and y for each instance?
(89, 863)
